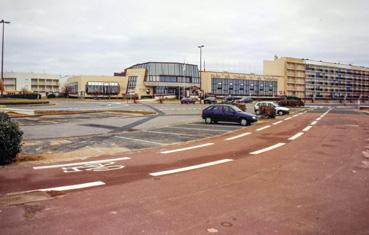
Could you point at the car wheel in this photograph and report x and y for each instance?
(257, 112)
(244, 122)
(208, 120)
(280, 112)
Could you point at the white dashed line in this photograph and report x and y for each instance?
(238, 136)
(262, 128)
(295, 115)
(318, 118)
(268, 148)
(276, 123)
(190, 167)
(307, 128)
(70, 187)
(201, 129)
(296, 136)
(80, 163)
(169, 133)
(187, 148)
(146, 141)
(313, 123)
(288, 118)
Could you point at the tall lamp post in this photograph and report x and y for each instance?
(2, 57)
(200, 47)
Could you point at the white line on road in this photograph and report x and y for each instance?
(276, 123)
(151, 142)
(313, 123)
(190, 128)
(190, 167)
(187, 148)
(268, 148)
(80, 163)
(238, 136)
(262, 128)
(295, 115)
(319, 118)
(71, 187)
(288, 118)
(296, 136)
(307, 128)
(170, 133)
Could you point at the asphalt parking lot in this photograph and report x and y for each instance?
(101, 132)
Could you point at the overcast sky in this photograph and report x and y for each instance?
(103, 37)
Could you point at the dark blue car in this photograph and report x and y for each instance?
(227, 113)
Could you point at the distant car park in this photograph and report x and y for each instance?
(278, 109)
(227, 113)
(187, 100)
(245, 100)
(210, 100)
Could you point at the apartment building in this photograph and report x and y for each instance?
(312, 79)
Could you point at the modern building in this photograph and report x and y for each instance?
(311, 79)
(32, 82)
(240, 84)
(161, 78)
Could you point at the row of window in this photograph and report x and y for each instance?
(222, 86)
(174, 79)
(102, 88)
(170, 69)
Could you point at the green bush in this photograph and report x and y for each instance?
(10, 139)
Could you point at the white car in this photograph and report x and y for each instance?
(278, 109)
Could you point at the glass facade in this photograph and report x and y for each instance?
(170, 72)
(102, 88)
(241, 87)
(72, 88)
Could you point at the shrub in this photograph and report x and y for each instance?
(10, 139)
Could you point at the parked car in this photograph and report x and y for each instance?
(278, 109)
(210, 100)
(187, 100)
(229, 100)
(245, 100)
(291, 101)
(227, 113)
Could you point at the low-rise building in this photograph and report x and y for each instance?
(240, 84)
(15, 82)
(95, 86)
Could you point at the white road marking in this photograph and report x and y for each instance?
(268, 148)
(190, 167)
(151, 142)
(71, 187)
(288, 118)
(80, 163)
(276, 123)
(170, 133)
(238, 136)
(307, 128)
(187, 148)
(295, 115)
(313, 123)
(262, 128)
(296, 136)
(189, 128)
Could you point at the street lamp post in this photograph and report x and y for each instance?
(200, 47)
(2, 57)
